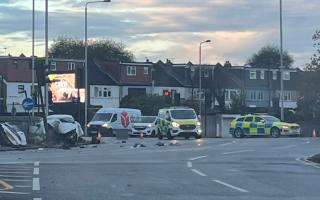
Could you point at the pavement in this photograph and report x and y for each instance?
(217, 168)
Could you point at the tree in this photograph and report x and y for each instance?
(314, 65)
(70, 48)
(238, 103)
(309, 103)
(269, 57)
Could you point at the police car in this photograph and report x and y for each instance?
(254, 125)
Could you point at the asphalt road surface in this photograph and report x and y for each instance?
(220, 169)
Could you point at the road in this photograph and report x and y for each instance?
(220, 169)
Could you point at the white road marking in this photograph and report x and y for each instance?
(9, 176)
(197, 158)
(284, 147)
(17, 180)
(36, 171)
(242, 151)
(198, 172)
(15, 169)
(36, 164)
(37, 199)
(307, 142)
(189, 164)
(36, 184)
(22, 186)
(230, 186)
(2, 172)
(228, 143)
(7, 192)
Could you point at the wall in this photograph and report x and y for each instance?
(107, 102)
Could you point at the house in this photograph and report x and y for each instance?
(16, 78)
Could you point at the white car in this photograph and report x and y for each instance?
(147, 125)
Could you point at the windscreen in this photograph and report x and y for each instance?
(145, 119)
(102, 117)
(183, 114)
(271, 119)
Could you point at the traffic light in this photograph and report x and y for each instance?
(80, 78)
(167, 96)
(42, 71)
(166, 93)
(176, 99)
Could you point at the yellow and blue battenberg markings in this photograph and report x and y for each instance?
(252, 128)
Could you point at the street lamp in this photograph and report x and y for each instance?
(200, 76)
(86, 61)
(281, 64)
(32, 70)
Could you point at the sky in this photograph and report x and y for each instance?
(173, 29)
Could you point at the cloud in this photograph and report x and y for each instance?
(161, 29)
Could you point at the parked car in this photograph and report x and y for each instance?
(146, 125)
(178, 122)
(253, 125)
(106, 120)
(65, 128)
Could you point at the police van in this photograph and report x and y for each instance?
(108, 119)
(178, 122)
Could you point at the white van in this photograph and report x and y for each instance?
(108, 119)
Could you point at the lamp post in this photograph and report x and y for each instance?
(46, 57)
(86, 61)
(32, 70)
(200, 76)
(281, 63)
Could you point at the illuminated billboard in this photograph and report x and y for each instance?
(63, 88)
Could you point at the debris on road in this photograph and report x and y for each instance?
(137, 145)
(160, 144)
(11, 136)
(174, 143)
(315, 158)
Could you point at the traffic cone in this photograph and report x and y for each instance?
(141, 136)
(314, 134)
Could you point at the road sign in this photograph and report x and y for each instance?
(27, 104)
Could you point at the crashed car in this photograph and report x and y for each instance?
(10, 136)
(65, 127)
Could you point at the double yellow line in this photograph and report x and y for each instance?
(5, 185)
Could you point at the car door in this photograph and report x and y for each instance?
(260, 123)
(246, 127)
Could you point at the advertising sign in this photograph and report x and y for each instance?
(63, 88)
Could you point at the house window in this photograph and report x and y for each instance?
(287, 96)
(131, 70)
(53, 66)
(145, 70)
(286, 76)
(20, 89)
(102, 92)
(71, 66)
(206, 72)
(262, 74)
(252, 95)
(260, 96)
(226, 95)
(274, 75)
(253, 74)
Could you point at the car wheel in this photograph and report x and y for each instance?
(238, 133)
(169, 136)
(159, 135)
(153, 133)
(198, 137)
(275, 132)
(73, 138)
